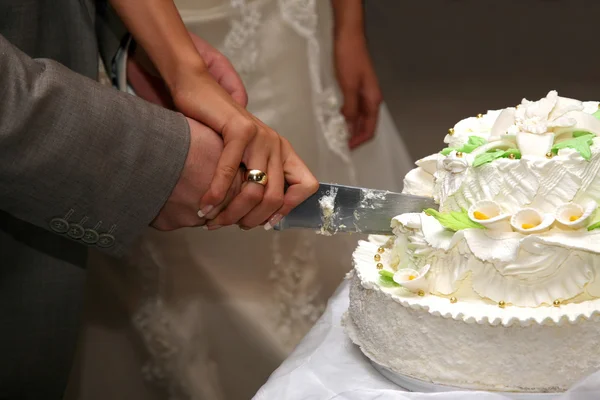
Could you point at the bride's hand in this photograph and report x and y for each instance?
(358, 82)
(301, 185)
(202, 91)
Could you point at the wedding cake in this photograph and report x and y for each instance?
(499, 289)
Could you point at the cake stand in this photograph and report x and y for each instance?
(417, 385)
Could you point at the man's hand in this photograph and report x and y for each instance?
(359, 85)
(181, 209)
(205, 94)
(149, 85)
(222, 71)
(202, 90)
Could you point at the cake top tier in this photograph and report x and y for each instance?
(518, 222)
(540, 160)
(533, 129)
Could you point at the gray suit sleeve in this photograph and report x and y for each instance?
(81, 159)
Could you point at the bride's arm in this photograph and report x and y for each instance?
(157, 27)
(354, 71)
(203, 94)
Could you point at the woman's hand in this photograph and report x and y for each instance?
(247, 140)
(301, 185)
(158, 28)
(358, 82)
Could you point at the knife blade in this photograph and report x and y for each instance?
(339, 208)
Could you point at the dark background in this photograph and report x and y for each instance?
(440, 61)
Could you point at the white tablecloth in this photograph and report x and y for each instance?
(327, 365)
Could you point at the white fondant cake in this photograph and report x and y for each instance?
(499, 289)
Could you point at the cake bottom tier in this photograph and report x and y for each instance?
(536, 358)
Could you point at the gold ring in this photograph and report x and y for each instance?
(257, 176)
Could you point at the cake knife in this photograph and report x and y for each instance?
(346, 209)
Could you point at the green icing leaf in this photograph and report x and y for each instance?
(595, 222)
(581, 144)
(580, 133)
(514, 152)
(386, 278)
(454, 220)
(597, 114)
(494, 155)
(473, 143)
(476, 141)
(594, 226)
(485, 158)
(386, 274)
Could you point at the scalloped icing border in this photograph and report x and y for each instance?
(472, 312)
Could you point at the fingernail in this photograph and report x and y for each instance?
(205, 210)
(214, 227)
(205, 227)
(273, 221)
(244, 228)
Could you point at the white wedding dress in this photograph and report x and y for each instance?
(208, 315)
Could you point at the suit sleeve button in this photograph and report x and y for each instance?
(59, 225)
(106, 240)
(90, 236)
(76, 231)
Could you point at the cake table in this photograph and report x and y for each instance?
(326, 365)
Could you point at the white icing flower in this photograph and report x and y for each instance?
(536, 124)
(419, 181)
(489, 214)
(504, 128)
(398, 257)
(409, 220)
(574, 216)
(429, 163)
(454, 164)
(545, 114)
(532, 144)
(590, 107)
(472, 126)
(530, 220)
(449, 176)
(412, 279)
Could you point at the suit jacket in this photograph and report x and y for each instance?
(81, 165)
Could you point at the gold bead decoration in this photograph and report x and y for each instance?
(501, 304)
(381, 250)
(451, 131)
(517, 106)
(479, 115)
(556, 303)
(377, 257)
(459, 154)
(549, 154)
(379, 266)
(511, 156)
(421, 293)
(453, 300)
